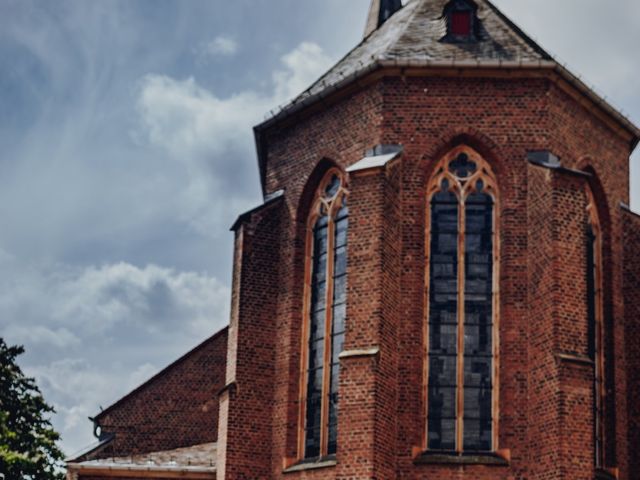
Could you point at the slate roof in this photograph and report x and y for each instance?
(415, 34)
(413, 37)
(196, 459)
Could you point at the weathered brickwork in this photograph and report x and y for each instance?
(631, 225)
(542, 421)
(301, 155)
(429, 117)
(247, 401)
(585, 142)
(545, 378)
(176, 408)
(570, 329)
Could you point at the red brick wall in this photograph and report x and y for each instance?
(339, 135)
(632, 320)
(247, 403)
(570, 343)
(429, 116)
(176, 408)
(368, 384)
(543, 377)
(544, 402)
(584, 141)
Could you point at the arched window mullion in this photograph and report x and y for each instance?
(339, 217)
(476, 327)
(318, 399)
(461, 321)
(326, 378)
(311, 387)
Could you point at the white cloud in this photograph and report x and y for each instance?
(95, 300)
(77, 391)
(133, 321)
(188, 120)
(303, 65)
(212, 135)
(122, 295)
(41, 335)
(219, 46)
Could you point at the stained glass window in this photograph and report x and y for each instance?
(595, 314)
(326, 315)
(461, 298)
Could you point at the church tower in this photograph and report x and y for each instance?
(443, 279)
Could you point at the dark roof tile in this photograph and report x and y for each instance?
(415, 34)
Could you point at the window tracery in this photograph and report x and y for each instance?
(324, 316)
(462, 304)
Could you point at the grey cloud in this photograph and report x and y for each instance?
(84, 205)
(206, 132)
(597, 40)
(87, 328)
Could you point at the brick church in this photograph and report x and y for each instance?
(443, 280)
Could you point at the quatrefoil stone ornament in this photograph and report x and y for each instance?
(462, 167)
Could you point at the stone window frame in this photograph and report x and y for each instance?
(485, 173)
(332, 206)
(596, 346)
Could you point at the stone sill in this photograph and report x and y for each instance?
(312, 464)
(454, 458)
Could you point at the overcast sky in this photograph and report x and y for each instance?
(127, 152)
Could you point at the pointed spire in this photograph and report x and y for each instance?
(379, 12)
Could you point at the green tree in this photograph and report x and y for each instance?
(28, 447)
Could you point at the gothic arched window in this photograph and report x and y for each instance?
(324, 316)
(462, 304)
(595, 316)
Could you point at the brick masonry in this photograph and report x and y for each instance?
(632, 335)
(176, 408)
(545, 393)
(242, 386)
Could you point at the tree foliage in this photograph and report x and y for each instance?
(28, 447)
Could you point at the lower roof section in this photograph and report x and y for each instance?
(195, 462)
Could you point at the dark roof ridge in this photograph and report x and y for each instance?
(161, 372)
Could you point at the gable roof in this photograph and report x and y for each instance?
(161, 373)
(412, 38)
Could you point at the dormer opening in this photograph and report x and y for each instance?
(461, 19)
(461, 23)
